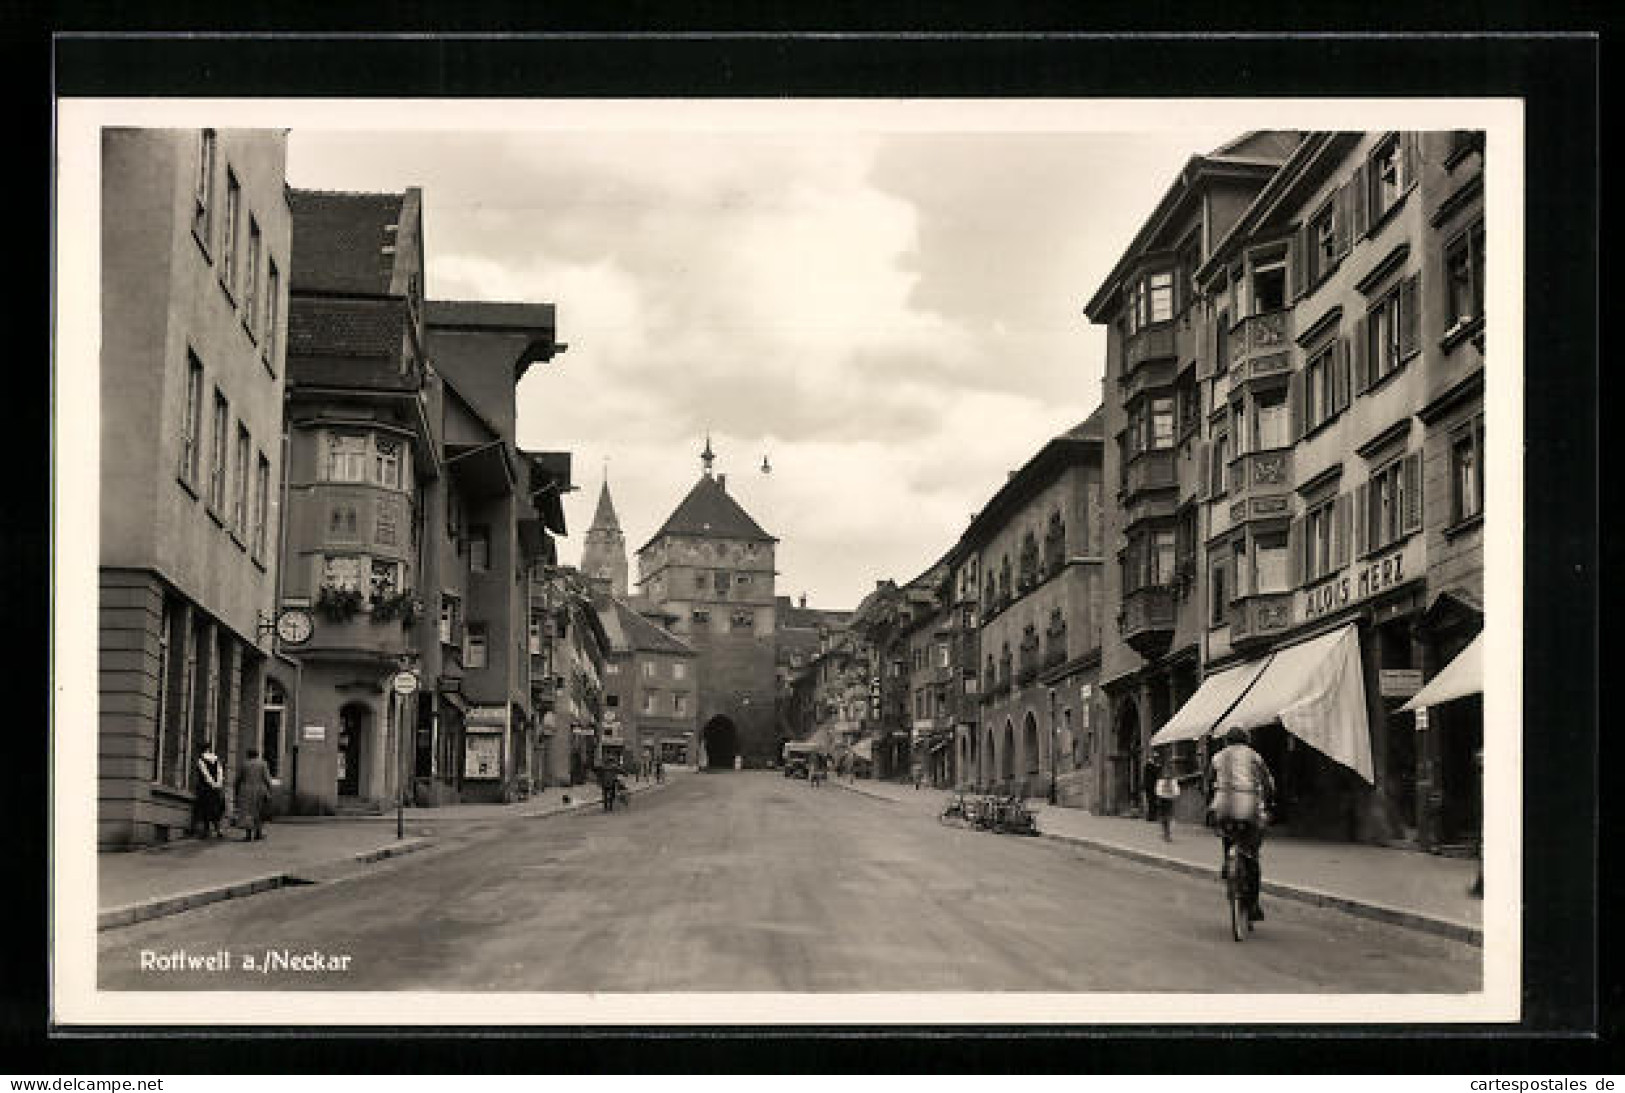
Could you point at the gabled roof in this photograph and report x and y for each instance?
(339, 241)
(630, 632)
(709, 513)
(1080, 444)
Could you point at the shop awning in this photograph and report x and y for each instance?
(1211, 701)
(864, 749)
(1317, 691)
(1461, 677)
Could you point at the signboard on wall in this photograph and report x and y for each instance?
(482, 756)
(1364, 579)
(314, 734)
(1399, 682)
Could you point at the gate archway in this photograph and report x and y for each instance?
(721, 743)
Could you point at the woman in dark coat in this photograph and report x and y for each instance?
(1148, 786)
(253, 795)
(209, 804)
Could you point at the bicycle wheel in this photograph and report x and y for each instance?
(1234, 889)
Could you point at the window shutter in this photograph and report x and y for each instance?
(1294, 394)
(1342, 529)
(1295, 264)
(1341, 382)
(1412, 470)
(1359, 205)
(1342, 215)
(1204, 466)
(1362, 519)
(1410, 160)
(1297, 566)
(1361, 345)
(1204, 357)
(1409, 291)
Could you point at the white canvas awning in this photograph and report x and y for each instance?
(864, 749)
(1461, 677)
(1317, 691)
(1211, 701)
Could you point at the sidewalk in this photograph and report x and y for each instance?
(1403, 887)
(133, 886)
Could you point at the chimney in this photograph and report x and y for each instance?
(803, 601)
(722, 481)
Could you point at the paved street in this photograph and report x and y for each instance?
(750, 882)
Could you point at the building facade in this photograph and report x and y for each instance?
(569, 666)
(1334, 474)
(1037, 547)
(651, 691)
(710, 568)
(1159, 335)
(195, 256)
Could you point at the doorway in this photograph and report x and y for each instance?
(352, 727)
(721, 743)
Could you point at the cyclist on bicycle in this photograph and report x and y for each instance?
(1243, 793)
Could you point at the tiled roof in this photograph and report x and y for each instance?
(339, 240)
(345, 328)
(708, 512)
(629, 630)
(1092, 427)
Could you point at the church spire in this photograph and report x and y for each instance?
(604, 518)
(707, 457)
(603, 556)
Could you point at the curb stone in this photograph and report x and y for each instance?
(164, 906)
(1369, 909)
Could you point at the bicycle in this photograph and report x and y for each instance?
(1242, 877)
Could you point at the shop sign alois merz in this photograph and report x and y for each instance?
(1381, 573)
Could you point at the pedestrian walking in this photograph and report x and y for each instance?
(919, 776)
(209, 803)
(660, 770)
(1148, 785)
(1167, 790)
(253, 796)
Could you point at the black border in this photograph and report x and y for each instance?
(1556, 76)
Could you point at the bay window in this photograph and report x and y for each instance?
(1270, 565)
(1271, 424)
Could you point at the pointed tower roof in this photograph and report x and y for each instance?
(604, 518)
(709, 513)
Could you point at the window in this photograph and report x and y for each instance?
(1161, 297)
(1149, 299)
(1162, 423)
(741, 578)
(239, 470)
(743, 620)
(942, 655)
(262, 503)
(1242, 573)
(273, 309)
(1221, 458)
(271, 737)
(1163, 552)
(1325, 385)
(1321, 251)
(161, 718)
(251, 278)
(679, 704)
(386, 578)
(479, 548)
(720, 582)
(649, 700)
(341, 523)
(191, 424)
(474, 646)
(217, 452)
(1464, 274)
(1319, 532)
(341, 572)
(203, 195)
(1467, 472)
(1219, 586)
(387, 462)
(1271, 425)
(346, 457)
(1392, 503)
(450, 616)
(1269, 285)
(1388, 171)
(1270, 565)
(648, 669)
(700, 615)
(1190, 404)
(679, 670)
(612, 701)
(228, 249)
(533, 636)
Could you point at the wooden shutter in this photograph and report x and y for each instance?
(1342, 219)
(1362, 519)
(1296, 541)
(1409, 159)
(1204, 464)
(1340, 375)
(1409, 298)
(1359, 205)
(1361, 345)
(1412, 472)
(1295, 270)
(1294, 396)
(1342, 529)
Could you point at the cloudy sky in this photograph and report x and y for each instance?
(892, 318)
